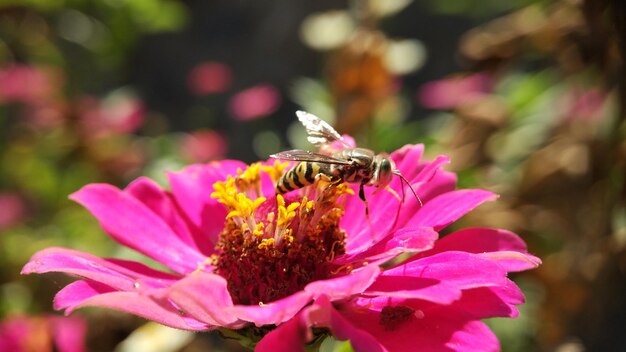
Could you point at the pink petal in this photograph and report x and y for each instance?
(383, 204)
(430, 169)
(449, 207)
(441, 183)
(134, 225)
(69, 333)
(205, 297)
(428, 289)
(276, 312)
(344, 286)
(82, 294)
(432, 179)
(477, 303)
(143, 272)
(408, 159)
(474, 336)
(292, 335)
(73, 294)
(488, 302)
(386, 210)
(402, 241)
(160, 202)
(479, 240)
(421, 183)
(287, 337)
(465, 270)
(430, 330)
(505, 247)
(118, 274)
(439, 278)
(362, 234)
(514, 261)
(192, 188)
(323, 314)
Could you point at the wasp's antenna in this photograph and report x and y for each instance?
(399, 174)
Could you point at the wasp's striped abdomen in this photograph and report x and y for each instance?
(303, 174)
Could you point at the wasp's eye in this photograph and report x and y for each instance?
(384, 172)
(385, 166)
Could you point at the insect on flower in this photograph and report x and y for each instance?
(336, 161)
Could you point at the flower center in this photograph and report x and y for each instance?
(271, 248)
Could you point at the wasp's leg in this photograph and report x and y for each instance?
(333, 181)
(400, 202)
(395, 194)
(362, 193)
(367, 207)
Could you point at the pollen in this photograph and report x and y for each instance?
(274, 245)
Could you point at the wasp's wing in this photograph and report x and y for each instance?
(304, 155)
(319, 132)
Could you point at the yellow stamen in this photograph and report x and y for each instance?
(225, 191)
(286, 214)
(285, 217)
(275, 171)
(249, 181)
(241, 207)
(259, 230)
(268, 242)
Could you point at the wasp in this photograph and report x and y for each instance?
(336, 161)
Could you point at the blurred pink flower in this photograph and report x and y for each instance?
(26, 84)
(583, 104)
(119, 113)
(452, 92)
(45, 114)
(12, 209)
(41, 334)
(203, 146)
(209, 78)
(255, 102)
(275, 267)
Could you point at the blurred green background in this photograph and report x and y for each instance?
(526, 96)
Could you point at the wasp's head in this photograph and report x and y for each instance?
(383, 173)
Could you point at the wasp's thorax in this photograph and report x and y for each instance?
(367, 168)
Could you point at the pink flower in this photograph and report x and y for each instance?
(12, 209)
(25, 334)
(38, 89)
(203, 146)
(452, 92)
(118, 113)
(583, 104)
(26, 84)
(274, 267)
(255, 102)
(209, 78)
